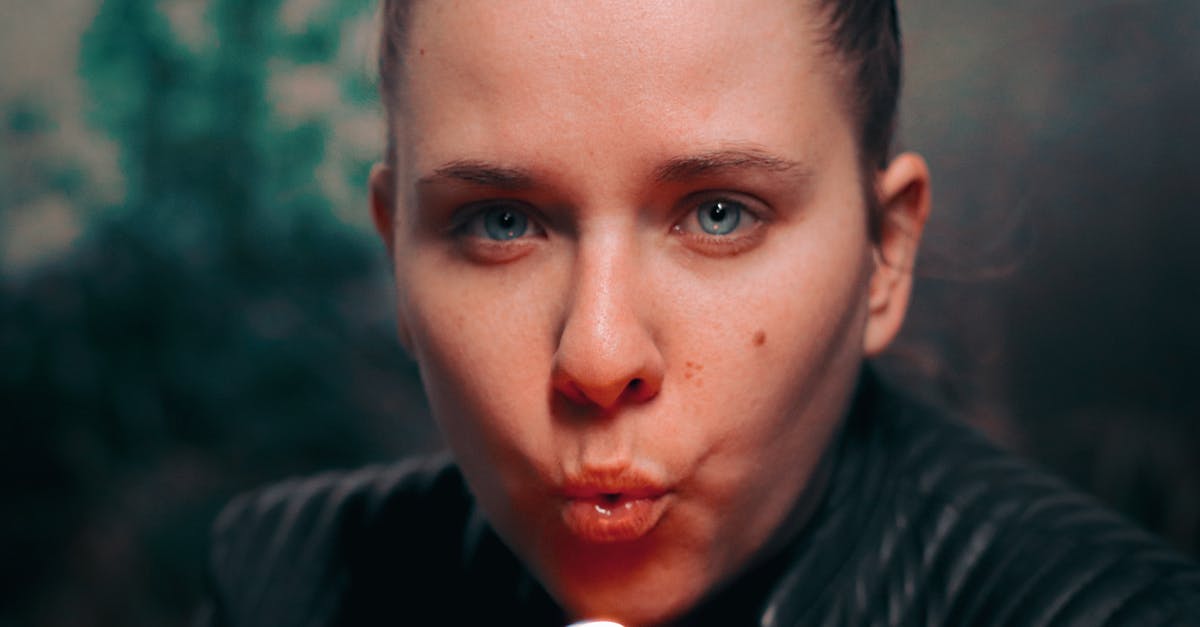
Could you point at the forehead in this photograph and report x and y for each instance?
(614, 77)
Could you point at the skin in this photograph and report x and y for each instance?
(615, 335)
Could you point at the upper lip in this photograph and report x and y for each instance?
(629, 482)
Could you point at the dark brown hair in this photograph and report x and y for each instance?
(866, 34)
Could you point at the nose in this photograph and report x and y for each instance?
(607, 353)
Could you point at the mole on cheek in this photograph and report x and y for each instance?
(760, 338)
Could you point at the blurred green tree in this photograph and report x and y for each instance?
(218, 328)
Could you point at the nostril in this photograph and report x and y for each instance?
(636, 389)
(572, 391)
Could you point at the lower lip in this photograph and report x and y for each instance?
(622, 520)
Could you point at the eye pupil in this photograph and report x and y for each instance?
(719, 217)
(505, 224)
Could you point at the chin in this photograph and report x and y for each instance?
(631, 584)
(632, 606)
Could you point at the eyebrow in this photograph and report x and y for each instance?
(480, 173)
(688, 167)
(676, 169)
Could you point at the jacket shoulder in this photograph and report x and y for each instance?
(287, 554)
(1005, 542)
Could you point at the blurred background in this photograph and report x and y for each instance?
(192, 302)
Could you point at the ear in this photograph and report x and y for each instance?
(383, 213)
(383, 204)
(904, 197)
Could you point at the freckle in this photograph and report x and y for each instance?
(760, 338)
(422, 52)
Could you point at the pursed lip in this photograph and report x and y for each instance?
(607, 490)
(626, 484)
(613, 507)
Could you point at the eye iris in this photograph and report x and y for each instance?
(505, 224)
(719, 217)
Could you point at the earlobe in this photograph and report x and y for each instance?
(904, 199)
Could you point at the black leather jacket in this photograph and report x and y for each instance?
(922, 522)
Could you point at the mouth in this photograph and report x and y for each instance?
(619, 516)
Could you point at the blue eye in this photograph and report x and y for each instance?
(719, 217)
(501, 223)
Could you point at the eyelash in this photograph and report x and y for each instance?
(469, 228)
(472, 215)
(741, 239)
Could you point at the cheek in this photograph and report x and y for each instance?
(769, 355)
(482, 344)
(766, 324)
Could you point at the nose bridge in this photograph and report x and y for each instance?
(602, 301)
(606, 350)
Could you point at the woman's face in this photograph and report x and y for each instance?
(634, 267)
